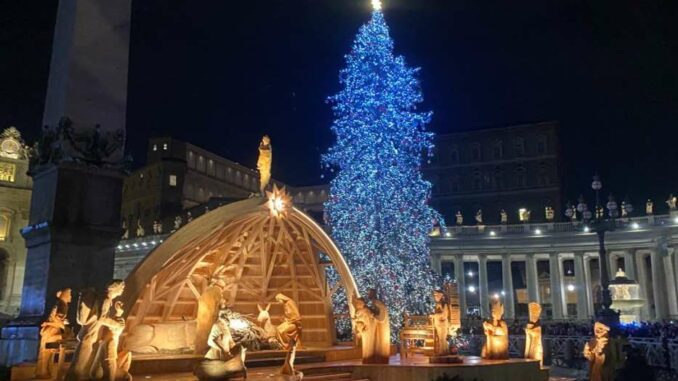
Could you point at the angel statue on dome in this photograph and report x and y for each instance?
(264, 163)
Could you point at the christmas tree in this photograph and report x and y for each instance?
(378, 206)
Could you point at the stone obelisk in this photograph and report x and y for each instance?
(77, 169)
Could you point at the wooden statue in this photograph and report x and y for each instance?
(596, 352)
(52, 330)
(108, 363)
(220, 340)
(289, 332)
(496, 335)
(440, 320)
(224, 359)
(98, 327)
(264, 162)
(365, 328)
(533, 346)
(208, 308)
(382, 336)
(264, 319)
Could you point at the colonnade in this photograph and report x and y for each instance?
(653, 268)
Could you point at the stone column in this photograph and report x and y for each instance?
(630, 267)
(613, 264)
(435, 263)
(531, 278)
(641, 272)
(556, 286)
(461, 283)
(670, 278)
(582, 285)
(659, 284)
(589, 285)
(507, 278)
(482, 287)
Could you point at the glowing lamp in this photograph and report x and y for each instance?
(471, 289)
(376, 5)
(238, 324)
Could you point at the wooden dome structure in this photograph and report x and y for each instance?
(252, 249)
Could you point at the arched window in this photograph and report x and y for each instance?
(498, 178)
(476, 153)
(498, 150)
(543, 175)
(454, 184)
(542, 145)
(477, 180)
(519, 147)
(454, 155)
(521, 177)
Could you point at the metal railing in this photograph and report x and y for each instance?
(555, 227)
(566, 351)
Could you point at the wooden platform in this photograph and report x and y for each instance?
(414, 368)
(156, 364)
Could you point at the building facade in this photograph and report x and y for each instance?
(181, 181)
(179, 178)
(557, 264)
(510, 168)
(15, 200)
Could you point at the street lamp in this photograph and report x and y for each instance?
(600, 223)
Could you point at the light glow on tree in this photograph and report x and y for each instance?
(378, 205)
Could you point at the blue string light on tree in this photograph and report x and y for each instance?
(378, 205)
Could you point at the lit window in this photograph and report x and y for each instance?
(7, 172)
(155, 147)
(173, 180)
(4, 226)
(164, 146)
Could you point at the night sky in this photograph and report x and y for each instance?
(221, 73)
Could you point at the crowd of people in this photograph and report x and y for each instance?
(662, 330)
